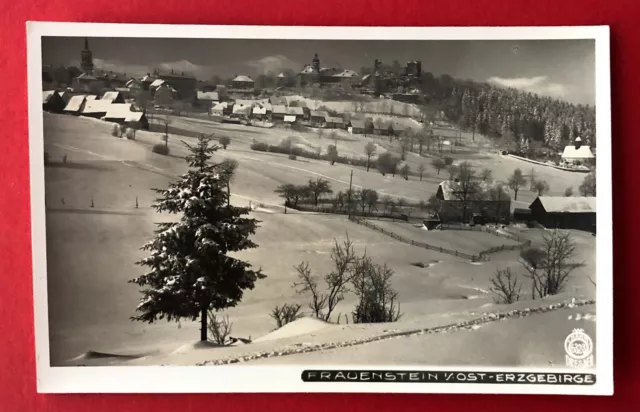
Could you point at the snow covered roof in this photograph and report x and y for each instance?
(148, 78)
(583, 152)
(276, 100)
(295, 111)
(85, 76)
(281, 75)
(75, 103)
(212, 96)
(330, 119)
(278, 109)
(346, 73)
(123, 111)
(289, 119)
(96, 106)
(132, 83)
(242, 109)
(92, 97)
(157, 83)
(567, 204)
(358, 123)
(259, 110)
(246, 102)
(319, 113)
(219, 107)
(242, 78)
(46, 96)
(111, 96)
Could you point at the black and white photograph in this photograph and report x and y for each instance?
(270, 209)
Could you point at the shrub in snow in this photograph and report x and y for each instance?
(219, 328)
(377, 301)
(286, 313)
(161, 148)
(224, 141)
(190, 267)
(131, 134)
(292, 157)
(115, 131)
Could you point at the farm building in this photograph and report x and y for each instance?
(565, 212)
(76, 104)
(486, 200)
(577, 153)
(334, 122)
(242, 82)
(95, 108)
(297, 112)
(318, 116)
(113, 97)
(52, 102)
(356, 126)
(121, 113)
(279, 112)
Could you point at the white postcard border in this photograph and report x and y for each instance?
(264, 379)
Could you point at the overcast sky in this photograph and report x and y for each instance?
(562, 69)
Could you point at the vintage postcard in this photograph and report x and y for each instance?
(313, 209)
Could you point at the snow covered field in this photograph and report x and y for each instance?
(95, 230)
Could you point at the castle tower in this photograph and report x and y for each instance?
(86, 58)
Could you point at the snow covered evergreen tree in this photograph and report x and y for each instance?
(190, 271)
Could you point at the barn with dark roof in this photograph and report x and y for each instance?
(565, 212)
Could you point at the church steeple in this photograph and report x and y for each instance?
(86, 58)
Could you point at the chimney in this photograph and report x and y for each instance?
(578, 143)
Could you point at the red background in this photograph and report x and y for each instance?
(17, 363)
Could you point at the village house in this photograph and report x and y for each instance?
(242, 82)
(484, 199)
(297, 112)
(183, 83)
(278, 101)
(96, 108)
(333, 122)
(208, 96)
(122, 113)
(317, 117)
(165, 95)
(146, 81)
(134, 86)
(259, 113)
(577, 154)
(65, 96)
(289, 120)
(75, 105)
(278, 113)
(356, 126)
(113, 97)
(87, 83)
(241, 110)
(52, 102)
(566, 212)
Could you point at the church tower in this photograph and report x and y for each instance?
(316, 63)
(86, 58)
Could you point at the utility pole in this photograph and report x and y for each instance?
(349, 197)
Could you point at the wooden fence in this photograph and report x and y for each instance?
(473, 258)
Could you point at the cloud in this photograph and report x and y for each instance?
(538, 84)
(272, 64)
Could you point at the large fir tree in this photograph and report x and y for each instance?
(190, 271)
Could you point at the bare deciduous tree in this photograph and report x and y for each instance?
(516, 181)
(322, 304)
(549, 267)
(421, 169)
(369, 150)
(505, 286)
